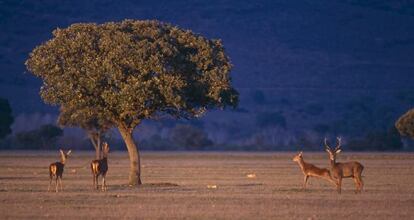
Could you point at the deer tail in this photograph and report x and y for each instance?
(94, 167)
(52, 170)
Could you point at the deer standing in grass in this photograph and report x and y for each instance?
(100, 167)
(56, 170)
(312, 170)
(339, 171)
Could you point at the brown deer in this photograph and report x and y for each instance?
(339, 171)
(100, 167)
(56, 170)
(312, 170)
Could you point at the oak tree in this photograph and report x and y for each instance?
(405, 124)
(86, 118)
(125, 72)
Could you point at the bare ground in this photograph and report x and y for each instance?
(182, 186)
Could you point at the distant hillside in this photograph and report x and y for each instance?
(305, 53)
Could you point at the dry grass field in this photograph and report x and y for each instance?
(175, 187)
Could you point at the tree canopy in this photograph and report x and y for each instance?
(124, 72)
(6, 118)
(132, 70)
(405, 124)
(88, 120)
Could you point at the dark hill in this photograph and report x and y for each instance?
(305, 53)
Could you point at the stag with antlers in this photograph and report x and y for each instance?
(339, 171)
(312, 170)
(100, 167)
(56, 170)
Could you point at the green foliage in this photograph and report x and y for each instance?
(405, 124)
(6, 118)
(189, 137)
(271, 119)
(84, 118)
(42, 138)
(127, 71)
(88, 120)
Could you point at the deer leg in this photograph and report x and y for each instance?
(106, 187)
(61, 185)
(56, 183)
(305, 180)
(361, 183)
(330, 179)
(50, 183)
(103, 183)
(94, 183)
(356, 184)
(339, 185)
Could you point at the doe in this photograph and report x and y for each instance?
(100, 167)
(56, 170)
(312, 170)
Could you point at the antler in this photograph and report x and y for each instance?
(326, 144)
(338, 145)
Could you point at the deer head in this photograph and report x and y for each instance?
(64, 156)
(331, 151)
(105, 149)
(298, 157)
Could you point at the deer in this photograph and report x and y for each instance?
(310, 170)
(56, 170)
(352, 169)
(100, 167)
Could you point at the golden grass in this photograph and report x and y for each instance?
(176, 187)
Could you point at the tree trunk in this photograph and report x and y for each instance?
(96, 142)
(134, 157)
(98, 148)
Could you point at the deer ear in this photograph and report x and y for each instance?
(61, 151)
(327, 150)
(338, 151)
(300, 153)
(70, 151)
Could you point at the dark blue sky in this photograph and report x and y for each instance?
(354, 45)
